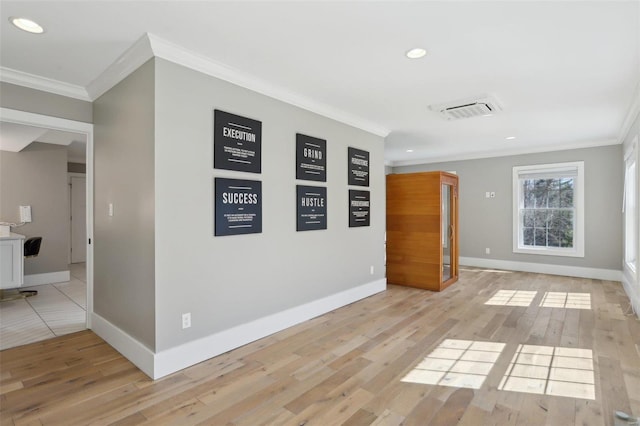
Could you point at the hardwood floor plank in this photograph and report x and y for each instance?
(347, 366)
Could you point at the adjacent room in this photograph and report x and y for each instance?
(310, 212)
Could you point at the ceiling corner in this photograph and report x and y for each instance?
(136, 55)
(632, 113)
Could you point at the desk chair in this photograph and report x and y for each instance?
(31, 249)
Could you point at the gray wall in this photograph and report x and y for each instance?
(124, 282)
(37, 176)
(228, 281)
(76, 168)
(487, 222)
(30, 100)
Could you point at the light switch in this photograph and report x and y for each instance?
(110, 209)
(25, 214)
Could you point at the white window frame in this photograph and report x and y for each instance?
(577, 167)
(630, 211)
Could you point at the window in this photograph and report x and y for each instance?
(631, 207)
(548, 213)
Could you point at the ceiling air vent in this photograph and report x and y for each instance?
(484, 105)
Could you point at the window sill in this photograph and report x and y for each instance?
(549, 252)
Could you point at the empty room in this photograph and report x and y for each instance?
(319, 212)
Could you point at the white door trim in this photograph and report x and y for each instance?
(54, 123)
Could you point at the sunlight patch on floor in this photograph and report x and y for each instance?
(457, 363)
(549, 370)
(558, 299)
(512, 298)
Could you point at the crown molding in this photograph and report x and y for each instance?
(136, 55)
(32, 81)
(504, 152)
(632, 114)
(181, 56)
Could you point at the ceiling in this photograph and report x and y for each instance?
(16, 137)
(566, 74)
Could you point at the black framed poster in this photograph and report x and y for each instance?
(358, 167)
(359, 207)
(238, 206)
(311, 208)
(311, 158)
(237, 142)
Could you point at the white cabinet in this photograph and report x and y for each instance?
(11, 261)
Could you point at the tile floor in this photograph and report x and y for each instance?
(56, 310)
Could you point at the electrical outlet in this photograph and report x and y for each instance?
(186, 320)
(110, 209)
(487, 251)
(487, 194)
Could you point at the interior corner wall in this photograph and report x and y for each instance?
(226, 282)
(631, 283)
(124, 257)
(37, 177)
(36, 101)
(487, 222)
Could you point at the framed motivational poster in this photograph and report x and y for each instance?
(237, 142)
(238, 206)
(311, 158)
(359, 208)
(358, 167)
(311, 209)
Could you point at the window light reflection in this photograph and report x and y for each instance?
(512, 298)
(457, 363)
(558, 299)
(548, 370)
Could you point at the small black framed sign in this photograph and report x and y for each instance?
(311, 158)
(311, 209)
(359, 208)
(237, 142)
(238, 206)
(358, 167)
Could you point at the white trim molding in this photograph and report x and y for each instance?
(128, 346)
(174, 359)
(136, 55)
(181, 56)
(632, 113)
(163, 363)
(55, 123)
(544, 268)
(504, 152)
(631, 288)
(32, 81)
(47, 278)
(149, 46)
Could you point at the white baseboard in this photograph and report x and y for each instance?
(129, 347)
(179, 357)
(544, 268)
(632, 292)
(47, 278)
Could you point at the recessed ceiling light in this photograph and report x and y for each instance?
(409, 150)
(416, 53)
(26, 25)
(510, 138)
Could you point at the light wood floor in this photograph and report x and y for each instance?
(357, 366)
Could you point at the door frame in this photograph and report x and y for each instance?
(71, 175)
(8, 115)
